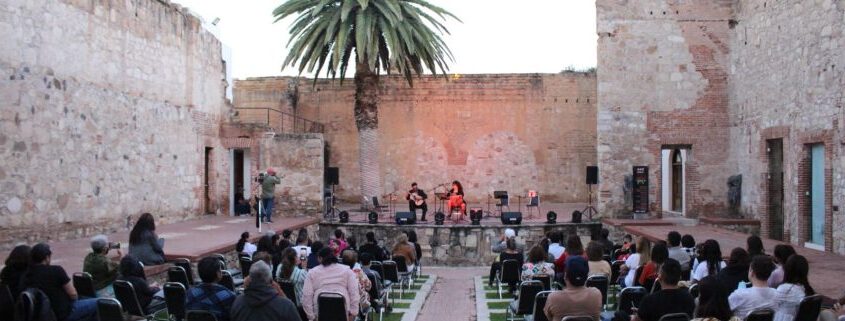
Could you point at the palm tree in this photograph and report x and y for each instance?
(386, 35)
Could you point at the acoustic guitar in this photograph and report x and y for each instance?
(416, 198)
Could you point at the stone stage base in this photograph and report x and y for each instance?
(457, 244)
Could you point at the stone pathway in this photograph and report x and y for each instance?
(453, 295)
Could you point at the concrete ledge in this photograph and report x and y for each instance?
(728, 221)
(632, 222)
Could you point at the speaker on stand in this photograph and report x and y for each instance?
(592, 179)
(332, 178)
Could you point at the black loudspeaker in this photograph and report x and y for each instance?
(344, 217)
(576, 217)
(475, 215)
(439, 218)
(551, 217)
(403, 218)
(592, 175)
(372, 218)
(511, 218)
(332, 175)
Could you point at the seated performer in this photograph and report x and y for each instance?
(416, 199)
(456, 201)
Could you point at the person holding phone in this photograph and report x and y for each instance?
(670, 299)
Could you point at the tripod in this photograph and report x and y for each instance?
(589, 210)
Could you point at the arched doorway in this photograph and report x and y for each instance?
(677, 181)
(673, 182)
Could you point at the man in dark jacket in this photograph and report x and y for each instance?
(262, 302)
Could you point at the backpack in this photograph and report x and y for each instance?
(41, 309)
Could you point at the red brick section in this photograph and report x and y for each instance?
(632, 222)
(778, 132)
(826, 268)
(728, 221)
(804, 183)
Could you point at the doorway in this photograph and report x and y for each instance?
(817, 196)
(205, 180)
(673, 182)
(677, 181)
(774, 148)
(239, 178)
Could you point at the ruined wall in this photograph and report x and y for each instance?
(786, 82)
(491, 132)
(298, 159)
(662, 82)
(107, 110)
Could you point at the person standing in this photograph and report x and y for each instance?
(416, 200)
(268, 193)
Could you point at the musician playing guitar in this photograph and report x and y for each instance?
(416, 199)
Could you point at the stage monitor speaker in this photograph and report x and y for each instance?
(403, 218)
(576, 217)
(592, 175)
(439, 218)
(372, 218)
(332, 175)
(511, 218)
(475, 215)
(344, 217)
(551, 217)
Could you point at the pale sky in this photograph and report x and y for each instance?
(496, 36)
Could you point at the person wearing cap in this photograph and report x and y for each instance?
(501, 246)
(575, 299)
(103, 270)
(268, 193)
(55, 283)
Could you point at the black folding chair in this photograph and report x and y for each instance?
(525, 303)
(331, 306)
(578, 318)
(109, 310)
(391, 273)
(25, 308)
(378, 296)
(289, 290)
(185, 264)
(509, 273)
(761, 315)
(404, 272)
(178, 274)
(387, 284)
(245, 263)
(125, 294)
(614, 270)
(630, 297)
(174, 297)
(84, 284)
(539, 304)
(675, 317)
(601, 282)
(7, 302)
(809, 308)
(228, 281)
(545, 279)
(693, 290)
(199, 315)
(380, 208)
(224, 263)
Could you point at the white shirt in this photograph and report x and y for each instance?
(787, 298)
(249, 248)
(632, 262)
(300, 248)
(681, 256)
(743, 301)
(702, 272)
(556, 250)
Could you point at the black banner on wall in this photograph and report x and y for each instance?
(640, 193)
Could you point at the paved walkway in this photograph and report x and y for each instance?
(453, 295)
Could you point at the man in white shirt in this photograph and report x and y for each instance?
(760, 295)
(677, 252)
(555, 249)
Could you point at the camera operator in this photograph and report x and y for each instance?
(268, 191)
(103, 269)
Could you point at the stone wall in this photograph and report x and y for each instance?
(108, 108)
(298, 158)
(463, 245)
(662, 83)
(492, 132)
(786, 82)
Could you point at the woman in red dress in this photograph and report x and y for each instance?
(456, 200)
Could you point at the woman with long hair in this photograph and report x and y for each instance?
(641, 256)
(456, 200)
(404, 249)
(659, 254)
(537, 264)
(709, 261)
(794, 288)
(735, 271)
(291, 270)
(782, 252)
(244, 246)
(148, 295)
(713, 302)
(144, 244)
(574, 247)
(754, 246)
(595, 259)
(330, 277)
(15, 266)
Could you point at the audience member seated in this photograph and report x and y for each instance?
(144, 244)
(677, 252)
(574, 247)
(342, 244)
(510, 253)
(575, 299)
(285, 241)
(659, 254)
(15, 267)
(794, 288)
(597, 263)
(555, 244)
(605, 242)
(55, 283)
(710, 261)
(210, 296)
(754, 246)
(244, 246)
(350, 259)
(736, 271)
(261, 301)
(403, 249)
(759, 295)
(149, 296)
(242, 205)
(499, 247)
(688, 244)
(366, 259)
(372, 248)
(291, 270)
(713, 302)
(334, 245)
(331, 277)
(626, 249)
(314, 258)
(782, 253)
(412, 239)
(537, 264)
(103, 269)
(670, 299)
(640, 256)
(301, 247)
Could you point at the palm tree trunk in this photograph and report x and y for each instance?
(366, 119)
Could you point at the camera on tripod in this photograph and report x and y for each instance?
(260, 177)
(114, 246)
